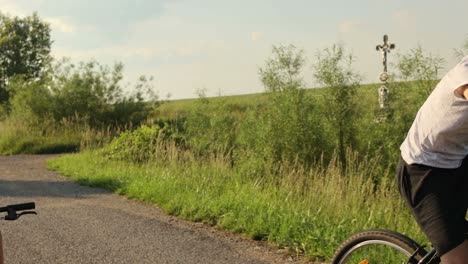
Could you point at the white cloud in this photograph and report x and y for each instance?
(124, 52)
(57, 23)
(7, 7)
(255, 36)
(349, 26)
(404, 16)
(61, 24)
(114, 51)
(170, 36)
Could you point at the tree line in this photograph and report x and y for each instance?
(35, 87)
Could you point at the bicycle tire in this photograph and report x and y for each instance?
(378, 246)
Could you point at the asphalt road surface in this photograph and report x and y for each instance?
(78, 224)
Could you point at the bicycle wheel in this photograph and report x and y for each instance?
(378, 246)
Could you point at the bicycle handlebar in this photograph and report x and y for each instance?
(12, 210)
(18, 207)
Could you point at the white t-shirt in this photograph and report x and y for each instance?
(439, 134)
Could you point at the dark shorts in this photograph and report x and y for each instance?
(438, 199)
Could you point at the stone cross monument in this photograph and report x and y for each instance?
(385, 48)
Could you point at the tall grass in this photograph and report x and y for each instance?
(68, 135)
(17, 137)
(308, 211)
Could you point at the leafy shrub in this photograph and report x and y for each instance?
(140, 145)
(211, 128)
(31, 101)
(289, 128)
(95, 91)
(334, 71)
(89, 91)
(419, 70)
(143, 144)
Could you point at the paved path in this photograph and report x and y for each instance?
(78, 224)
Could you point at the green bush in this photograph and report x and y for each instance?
(30, 101)
(211, 127)
(84, 101)
(334, 71)
(140, 145)
(89, 91)
(95, 92)
(289, 129)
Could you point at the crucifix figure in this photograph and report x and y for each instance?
(385, 48)
(383, 91)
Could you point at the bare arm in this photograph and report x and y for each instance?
(462, 91)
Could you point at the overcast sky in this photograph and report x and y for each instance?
(219, 45)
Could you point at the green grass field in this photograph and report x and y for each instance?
(174, 108)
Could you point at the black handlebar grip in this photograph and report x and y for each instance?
(23, 206)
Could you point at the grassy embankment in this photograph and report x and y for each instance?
(308, 212)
